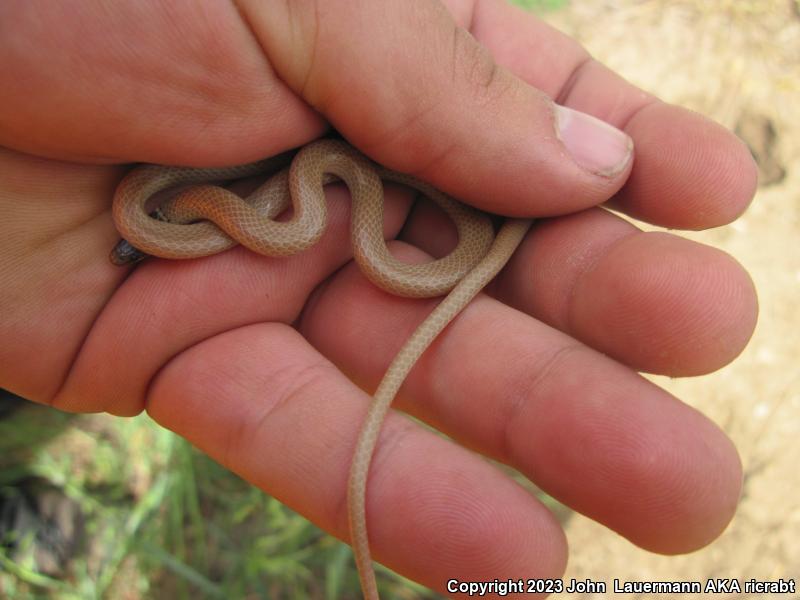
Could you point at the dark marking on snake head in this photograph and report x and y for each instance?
(126, 254)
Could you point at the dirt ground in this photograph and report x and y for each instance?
(738, 62)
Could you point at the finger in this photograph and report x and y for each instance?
(441, 108)
(167, 306)
(54, 271)
(689, 172)
(654, 301)
(587, 430)
(143, 81)
(266, 405)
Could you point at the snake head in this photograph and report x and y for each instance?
(125, 254)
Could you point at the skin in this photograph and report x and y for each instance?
(254, 360)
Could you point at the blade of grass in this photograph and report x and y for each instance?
(29, 576)
(147, 506)
(185, 571)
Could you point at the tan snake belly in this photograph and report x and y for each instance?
(206, 219)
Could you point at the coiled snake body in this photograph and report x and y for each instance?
(206, 219)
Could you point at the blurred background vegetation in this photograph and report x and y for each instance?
(95, 507)
(156, 519)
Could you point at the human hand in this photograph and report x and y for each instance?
(207, 348)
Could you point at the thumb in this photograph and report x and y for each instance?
(405, 84)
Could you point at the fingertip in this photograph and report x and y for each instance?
(690, 173)
(694, 504)
(629, 306)
(638, 461)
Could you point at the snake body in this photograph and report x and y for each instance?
(206, 219)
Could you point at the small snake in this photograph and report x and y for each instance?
(206, 219)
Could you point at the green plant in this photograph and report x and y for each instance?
(541, 5)
(163, 520)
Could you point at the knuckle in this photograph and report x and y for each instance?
(526, 392)
(474, 67)
(288, 386)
